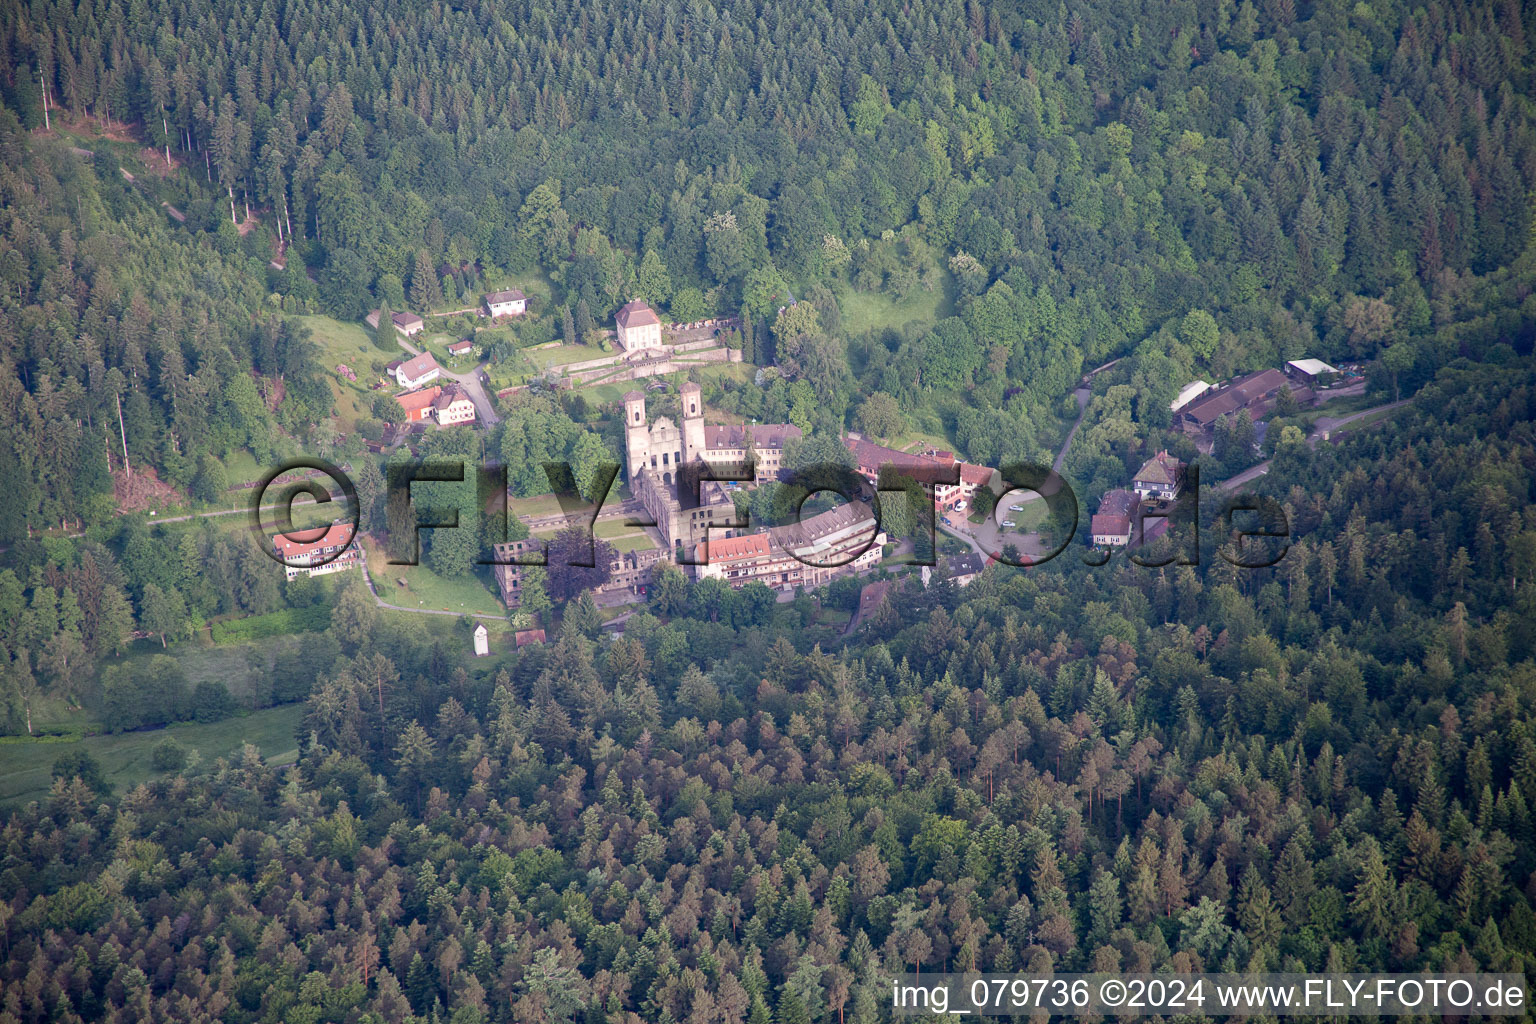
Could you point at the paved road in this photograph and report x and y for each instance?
(472, 386)
(1082, 395)
(1322, 425)
(1329, 424)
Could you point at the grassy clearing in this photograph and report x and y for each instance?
(351, 344)
(538, 505)
(26, 765)
(348, 343)
(870, 311)
(560, 355)
(426, 589)
(914, 440)
(632, 542)
(534, 285)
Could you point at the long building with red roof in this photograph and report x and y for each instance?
(311, 553)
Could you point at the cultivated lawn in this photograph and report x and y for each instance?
(26, 765)
(426, 589)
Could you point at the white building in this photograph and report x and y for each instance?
(507, 303)
(333, 551)
(1308, 371)
(452, 406)
(639, 327)
(416, 371)
(1188, 394)
(1161, 476)
(482, 640)
(408, 324)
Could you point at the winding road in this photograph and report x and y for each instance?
(1322, 427)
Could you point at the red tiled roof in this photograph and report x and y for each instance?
(872, 457)
(970, 473)
(1109, 526)
(1241, 393)
(414, 401)
(524, 637)
(734, 549)
(292, 545)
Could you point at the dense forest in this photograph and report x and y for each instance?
(721, 816)
(731, 811)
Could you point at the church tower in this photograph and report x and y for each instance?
(693, 421)
(637, 435)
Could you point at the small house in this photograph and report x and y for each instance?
(453, 406)
(963, 569)
(416, 371)
(463, 347)
(506, 303)
(482, 640)
(1111, 525)
(639, 327)
(1161, 476)
(408, 324)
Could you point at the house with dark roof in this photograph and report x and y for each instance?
(1111, 524)
(639, 328)
(965, 568)
(505, 303)
(1161, 476)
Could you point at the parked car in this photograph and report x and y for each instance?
(1009, 522)
(1015, 508)
(959, 506)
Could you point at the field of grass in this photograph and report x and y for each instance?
(614, 528)
(632, 542)
(426, 589)
(1029, 518)
(610, 393)
(26, 765)
(560, 355)
(351, 344)
(532, 285)
(869, 311)
(538, 505)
